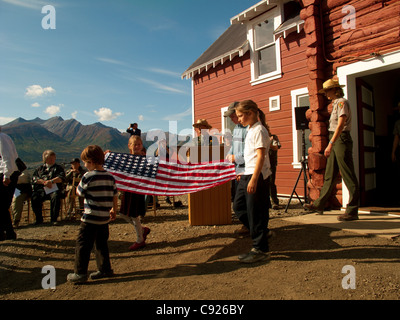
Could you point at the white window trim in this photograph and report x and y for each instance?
(223, 110)
(278, 103)
(276, 13)
(193, 109)
(295, 93)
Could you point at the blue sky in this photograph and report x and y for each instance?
(115, 61)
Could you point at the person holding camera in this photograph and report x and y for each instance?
(133, 130)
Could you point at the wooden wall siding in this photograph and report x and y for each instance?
(226, 83)
(330, 46)
(317, 114)
(377, 30)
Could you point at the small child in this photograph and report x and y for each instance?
(100, 206)
(252, 203)
(134, 205)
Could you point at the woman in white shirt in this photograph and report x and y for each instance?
(252, 202)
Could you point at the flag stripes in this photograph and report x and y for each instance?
(153, 176)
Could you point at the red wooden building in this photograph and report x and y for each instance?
(358, 42)
(279, 52)
(260, 57)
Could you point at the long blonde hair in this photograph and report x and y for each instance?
(131, 142)
(248, 106)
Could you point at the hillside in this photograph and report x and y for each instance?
(66, 137)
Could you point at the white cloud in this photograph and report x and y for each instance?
(141, 117)
(106, 114)
(112, 61)
(74, 114)
(161, 86)
(35, 91)
(5, 120)
(29, 4)
(165, 72)
(178, 116)
(52, 110)
(35, 105)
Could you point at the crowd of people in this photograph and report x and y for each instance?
(253, 150)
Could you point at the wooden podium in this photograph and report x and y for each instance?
(211, 206)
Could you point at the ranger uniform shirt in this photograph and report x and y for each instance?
(341, 107)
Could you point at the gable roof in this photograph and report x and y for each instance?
(231, 43)
(254, 11)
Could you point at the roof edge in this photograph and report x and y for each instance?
(253, 11)
(240, 51)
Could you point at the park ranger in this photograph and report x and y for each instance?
(339, 153)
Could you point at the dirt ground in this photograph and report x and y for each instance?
(183, 262)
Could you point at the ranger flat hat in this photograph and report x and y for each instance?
(329, 84)
(202, 122)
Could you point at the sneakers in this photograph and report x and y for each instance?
(254, 255)
(100, 275)
(347, 217)
(137, 245)
(77, 278)
(82, 278)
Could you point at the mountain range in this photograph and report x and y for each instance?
(67, 138)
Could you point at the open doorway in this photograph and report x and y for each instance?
(378, 185)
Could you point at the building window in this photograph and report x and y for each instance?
(274, 103)
(300, 98)
(266, 59)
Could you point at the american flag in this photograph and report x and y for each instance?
(150, 175)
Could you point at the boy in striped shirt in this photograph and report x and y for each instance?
(98, 188)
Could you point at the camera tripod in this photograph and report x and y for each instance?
(303, 172)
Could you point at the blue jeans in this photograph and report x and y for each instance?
(253, 210)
